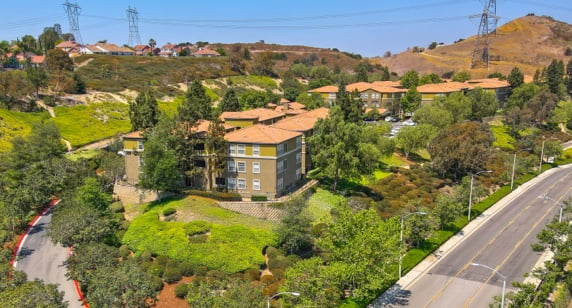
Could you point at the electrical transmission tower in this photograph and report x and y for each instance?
(488, 25)
(73, 10)
(133, 16)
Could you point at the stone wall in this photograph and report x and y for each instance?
(261, 210)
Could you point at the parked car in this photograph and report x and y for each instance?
(409, 122)
(390, 119)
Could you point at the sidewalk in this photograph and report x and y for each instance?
(434, 258)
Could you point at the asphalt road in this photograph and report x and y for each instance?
(502, 242)
(42, 259)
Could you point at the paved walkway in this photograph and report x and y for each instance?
(431, 260)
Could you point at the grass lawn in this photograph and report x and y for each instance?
(82, 154)
(15, 123)
(502, 138)
(321, 202)
(234, 241)
(170, 108)
(83, 124)
(377, 175)
(393, 161)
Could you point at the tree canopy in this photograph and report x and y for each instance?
(144, 111)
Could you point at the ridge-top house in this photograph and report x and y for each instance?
(106, 49)
(72, 48)
(205, 53)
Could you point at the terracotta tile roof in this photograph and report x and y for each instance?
(262, 114)
(446, 87)
(271, 105)
(296, 105)
(38, 59)
(203, 127)
(141, 47)
(206, 51)
(359, 86)
(388, 83)
(283, 100)
(325, 89)
(113, 48)
(134, 135)
(68, 44)
(489, 83)
(169, 46)
(262, 134)
(303, 122)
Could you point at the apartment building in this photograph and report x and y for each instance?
(243, 119)
(132, 150)
(379, 96)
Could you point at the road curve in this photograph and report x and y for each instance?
(500, 239)
(40, 258)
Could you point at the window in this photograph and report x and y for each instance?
(232, 148)
(220, 181)
(298, 158)
(241, 166)
(255, 167)
(282, 165)
(375, 95)
(376, 104)
(364, 95)
(231, 166)
(298, 141)
(332, 95)
(231, 183)
(280, 184)
(256, 149)
(282, 148)
(298, 174)
(140, 145)
(256, 184)
(241, 184)
(240, 149)
(140, 161)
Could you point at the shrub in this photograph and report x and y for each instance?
(198, 280)
(220, 196)
(278, 273)
(237, 276)
(145, 256)
(172, 274)
(280, 262)
(216, 274)
(187, 268)
(268, 279)
(156, 270)
(197, 227)
(252, 274)
(259, 198)
(124, 252)
(169, 211)
(199, 238)
(201, 271)
(162, 260)
(116, 207)
(157, 283)
(272, 252)
(181, 290)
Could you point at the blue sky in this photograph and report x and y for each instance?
(367, 27)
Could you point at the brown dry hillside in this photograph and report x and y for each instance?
(529, 43)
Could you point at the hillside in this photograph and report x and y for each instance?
(529, 43)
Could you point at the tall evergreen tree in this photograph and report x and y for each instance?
(229, 101)
(215, 148)
(350, 104)
(515, 78)
(411, 100)
(144, 111)
(196, 104)
(554, 75)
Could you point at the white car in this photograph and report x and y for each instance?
(409, 122)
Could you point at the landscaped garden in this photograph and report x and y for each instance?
(196, 230)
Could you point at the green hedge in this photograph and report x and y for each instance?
(259, 198)
(220, 196)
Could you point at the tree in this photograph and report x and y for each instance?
(554, 75)
(562, 114)
(58, 64)
(196, 105)
(521, 95)
(338, 148)
(318, 283)
(447, 209)
(92, 194)
(434, 115)
(462, 76)
(37, 76)
(515, 78)
(413, 138)
(364, 249)
(350, 104)
(76, 223)
(235, 59)
(263, 64)
(542, 104)
(362, 75)
(461, 148)
(457, 104)
(33, 294)
(430, 78)
(215, 149)
(418, 228)
(411, 100)
(294, 230)
(48, 38)
(234, 293)
(311, 101)
(43, 142)
(152, 43)
(126, 285)
(28, 43)
(410, 79)
(229, 101)
(483, 104)
(144, 111)
(160, 168)
(433, 45)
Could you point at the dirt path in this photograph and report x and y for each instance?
(50, 110)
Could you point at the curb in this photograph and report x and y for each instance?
(24, 235)
(77, 287)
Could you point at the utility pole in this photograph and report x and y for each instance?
(133, 17)
(489, 18)
(73, 10)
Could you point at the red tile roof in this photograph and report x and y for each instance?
(303, 122)
(261, 134)
(206, 51)
(325, 89)
(38, 59)
(134, 135)
(262, 114)
(446, 87)
(488, 83)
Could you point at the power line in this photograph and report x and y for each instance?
(488, 23)
(73, 11)
(133, 18)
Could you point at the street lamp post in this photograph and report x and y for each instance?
(542, 153)
(562, 205)
(401, 238)
(514, 166)
(498, 273)
(278, 294)
(471, 191)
